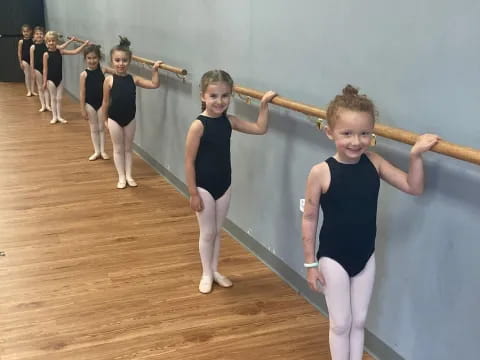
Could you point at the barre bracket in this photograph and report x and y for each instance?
(246, 99)
(181, 77)
(318, 122)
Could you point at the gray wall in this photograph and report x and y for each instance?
(419, 61)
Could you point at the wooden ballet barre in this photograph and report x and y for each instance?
(163, 66)
(459, 152)
(170, 68)
(281, 101)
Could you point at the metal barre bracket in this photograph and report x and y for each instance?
(246, 99)
(318, 122)
(181, 77)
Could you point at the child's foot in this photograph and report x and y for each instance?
(205, 285)
(62, 120)
(34, 94)
(42, 109)
(121, 184)
(29, 94)
(49, 108)
(105, 156)
(53, 121)
(222, 280)
(95, 156)
(131, 183)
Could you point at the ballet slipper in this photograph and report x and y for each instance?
(94, 157)
(205, 285)
(222, 280)
(131, 183)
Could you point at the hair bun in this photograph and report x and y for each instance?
(349, 90)
(124, 42)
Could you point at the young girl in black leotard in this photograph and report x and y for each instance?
(91, 98)
(36, 66)
(52, 73)
(37, 51)
(346, 186)
(207, 166)
(23, 53)
(118, 108)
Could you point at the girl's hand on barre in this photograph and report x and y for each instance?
(157, 64)
(424, 143)
(268, 96)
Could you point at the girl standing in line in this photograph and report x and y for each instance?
(346, 186)
(52, 73)
(119, 108)
(208, 169)
(23, 53)
(36, 64)
(91, 98)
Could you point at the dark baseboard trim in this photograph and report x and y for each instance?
(377, 348)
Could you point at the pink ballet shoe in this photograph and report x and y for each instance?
(94, 157)
(222, 280)
(131, 183)
(205, 285)
(121, 184)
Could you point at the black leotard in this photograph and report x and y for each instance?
(94, 87)
(38, 56)
(213, 170)
(26, 44)
(54, 72)
(350, 214)
(122, 100)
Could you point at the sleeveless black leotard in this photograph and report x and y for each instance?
(213, 170)
(38, 56)
(350, 214)
(122, 100)
(54, 72)
(94, 87)
(26, 44)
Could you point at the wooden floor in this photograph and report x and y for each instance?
(92, 272)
